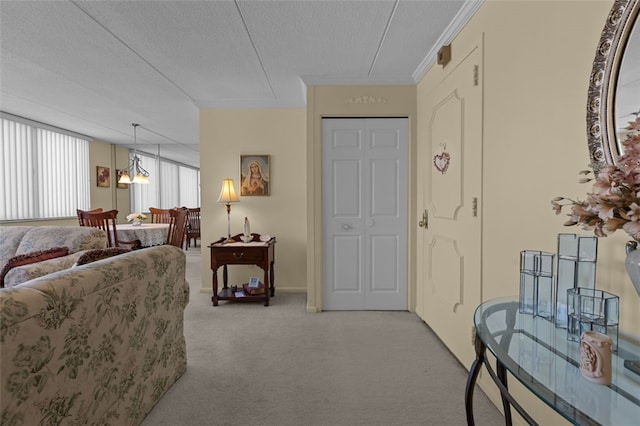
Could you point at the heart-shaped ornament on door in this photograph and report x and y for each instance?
(441, 162)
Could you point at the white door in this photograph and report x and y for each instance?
(449, 191)
(364, 199)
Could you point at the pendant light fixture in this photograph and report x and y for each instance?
(140, 175)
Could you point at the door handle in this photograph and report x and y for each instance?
(424, 223)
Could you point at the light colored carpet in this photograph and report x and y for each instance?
(253, 365)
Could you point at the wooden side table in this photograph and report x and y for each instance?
(256, 252)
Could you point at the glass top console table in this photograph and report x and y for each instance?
(539, 356)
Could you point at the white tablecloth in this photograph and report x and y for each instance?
(241, 244)
(149, 234)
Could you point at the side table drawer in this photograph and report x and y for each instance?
(230, 256)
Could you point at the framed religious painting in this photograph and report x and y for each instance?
(254, 175)
(103, 176)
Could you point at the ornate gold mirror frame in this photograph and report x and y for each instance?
(604, 146)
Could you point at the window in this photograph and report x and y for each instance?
(44, 171)
(171, 185)
(189, 187)
(169, 190)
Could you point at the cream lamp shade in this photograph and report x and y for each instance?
(139, 177)
(228, 196)
(228, 192)
(124, 177)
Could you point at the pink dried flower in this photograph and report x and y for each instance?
(634, 212)
(615, 201)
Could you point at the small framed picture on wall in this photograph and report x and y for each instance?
(103, 177)
(254, 175)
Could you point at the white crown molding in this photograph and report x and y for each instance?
(468, 9)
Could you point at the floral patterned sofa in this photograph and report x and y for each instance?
(97, 344)
(23, 241)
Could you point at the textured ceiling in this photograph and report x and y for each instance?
(95, 67)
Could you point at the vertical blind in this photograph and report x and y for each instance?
(45, 174)
(169, 192)
(170, 185)
(189, 187)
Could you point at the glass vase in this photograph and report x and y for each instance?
(632, 264)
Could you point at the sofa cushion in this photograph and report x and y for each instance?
(99, 254)
(10, 237)
(33, 257)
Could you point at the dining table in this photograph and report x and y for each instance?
(149, 234)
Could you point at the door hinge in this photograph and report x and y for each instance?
(474, 206)
(476, 74)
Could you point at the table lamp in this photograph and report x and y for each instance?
(228, 196)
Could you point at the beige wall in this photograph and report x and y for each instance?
(280, 133)
(109, 155)
(537, 62)
(535, 136)
(350, 101)
(106, 155)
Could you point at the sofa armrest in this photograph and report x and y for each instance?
(32, 258)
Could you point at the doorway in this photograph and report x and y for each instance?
(364, 199)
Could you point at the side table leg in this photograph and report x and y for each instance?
(501, 371)
(272, 286)
(214, 287)
(266, 287)
(225, 277)
(472, 378)
(502, 376)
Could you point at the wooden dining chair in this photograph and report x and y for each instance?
(159, 215)
(177, 227)
(107, 222)
(193, 226)
(79, 212)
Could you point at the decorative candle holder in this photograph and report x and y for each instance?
(595, 357)
(592, 310)
(577, 255)
(536, 283)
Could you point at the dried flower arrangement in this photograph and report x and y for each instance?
(615, 201)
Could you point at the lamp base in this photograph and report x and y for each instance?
(229, 240)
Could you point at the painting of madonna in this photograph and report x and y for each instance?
(254, 175)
